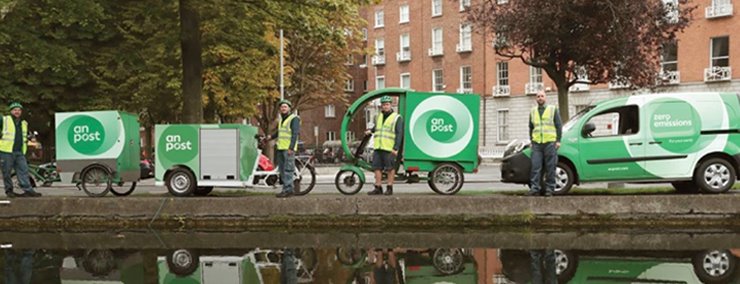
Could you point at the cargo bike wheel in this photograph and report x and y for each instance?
(304, 180)
(348, 182)
(96, 180)
(446, 179)
(180, 182)
(123, 189)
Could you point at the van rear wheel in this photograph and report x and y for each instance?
(715, 175)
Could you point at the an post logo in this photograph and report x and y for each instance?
(442, 126)
(86, 135)
(178, 144)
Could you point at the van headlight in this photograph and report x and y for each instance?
(516, 146)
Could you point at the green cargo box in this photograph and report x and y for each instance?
(99, 140)
(193, 156)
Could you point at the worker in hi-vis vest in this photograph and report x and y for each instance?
(289, 129)
(545, 129)
(13, 145)
(388, 139)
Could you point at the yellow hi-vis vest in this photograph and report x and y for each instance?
(385, 132)
(285, 133)
(544, 126)
(8, 138)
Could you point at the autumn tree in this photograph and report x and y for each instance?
(608, 41)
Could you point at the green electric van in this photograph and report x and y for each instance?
(691, 140)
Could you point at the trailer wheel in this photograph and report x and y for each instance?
(121, 189)
(183, 262)
(446, 179)
(715, 176)
(96, 180)
(303, 182)
(348, 182)
(17, 183)
(180, 182)
(203, 190)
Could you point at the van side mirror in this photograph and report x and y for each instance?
(588, 129)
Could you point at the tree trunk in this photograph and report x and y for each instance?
(563, 102)
(192, 63)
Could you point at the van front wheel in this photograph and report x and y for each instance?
(715, 175)
(564, 179)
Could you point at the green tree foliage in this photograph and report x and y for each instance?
(614, 40)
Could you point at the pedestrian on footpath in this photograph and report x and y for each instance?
(545, 130)
(388, 139)
(13, 147)
(289, 129)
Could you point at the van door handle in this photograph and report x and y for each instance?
(636, 144)
(656, 142)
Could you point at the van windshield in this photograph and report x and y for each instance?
(568, 125)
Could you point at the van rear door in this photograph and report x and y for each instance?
(674, 128)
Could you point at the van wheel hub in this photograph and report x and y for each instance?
(717, 176)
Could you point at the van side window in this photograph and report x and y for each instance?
(619, 121)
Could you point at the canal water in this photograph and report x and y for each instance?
(374, 257)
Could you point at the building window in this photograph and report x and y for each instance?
(720, 52)
(502, 73)
(669, 58)
(331, 136)
(403, 12)
(364, 61)
(379, 46)
(719, 8)
(502, 2)
(364, 85)
(436, 8)
(405, 53)
(466, 42)
(466, 79)
(438, 84)
(350, 60)
(349, 85)
(671, 11)
(364, 34)
(379, 82)
(379, 21)
(464, 4)
(330, 111)
(437, 44)
(535, 74)
(406, 80)
(503, 125)
(350, 136)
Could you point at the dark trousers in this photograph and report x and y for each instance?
(543, 154)
(286, 168)
(15, 161)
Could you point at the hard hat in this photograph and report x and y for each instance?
(287, 102)
(386, 99)
(15, 105)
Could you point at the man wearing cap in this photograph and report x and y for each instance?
(13, 144)
(289, 129)
(388, 138)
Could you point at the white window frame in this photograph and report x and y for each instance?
(404, 53)
(331, 136)
(437, 7)
(330, 111)
(435, 83)
(437, 42)
(465, 41)
(380, 46)
(712, 58)
(379, 79)
(350, 136)
(463, 87)
(464, 4)
(349, 85)
(500, 73)
(350, 60)
(379, 19)
(400, 81)
(502, 129)
(404, 14)
(500, 2)
(364, 34)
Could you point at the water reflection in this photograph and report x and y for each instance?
(369, 265)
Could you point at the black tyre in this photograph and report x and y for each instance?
(181, 182)
(183, 262)
(304, 180)
(96, 180)
(685, 187)
(17, 183)
(715, 175)
(714, 266)
(348, 182)
(203, 190)
(123, 189)
(564, 178)
(446, 179)
(566, 264)
(448, 261)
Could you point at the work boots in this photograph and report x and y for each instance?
(377, 191)
(389, 190)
